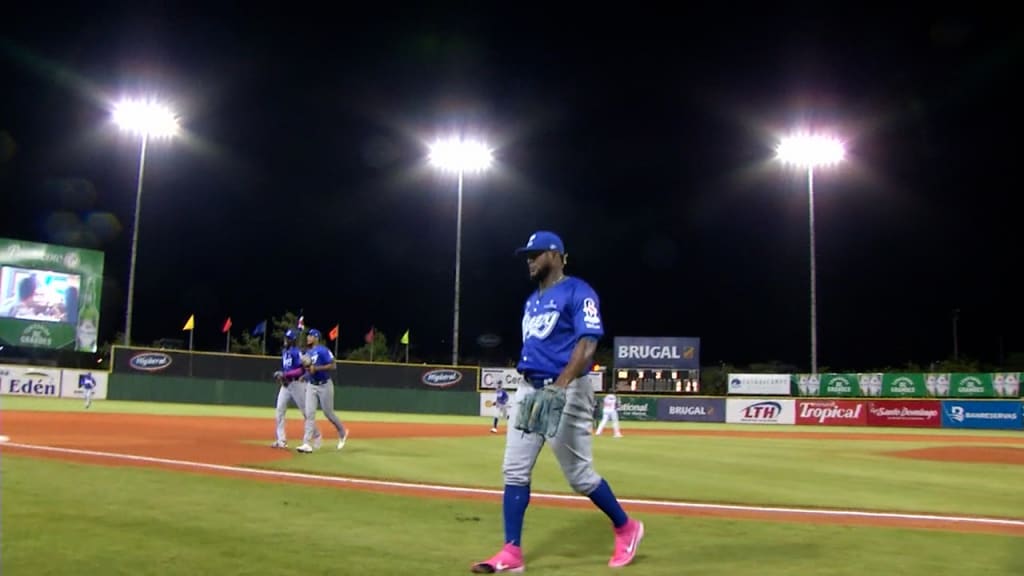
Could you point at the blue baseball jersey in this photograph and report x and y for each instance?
(319, 355)
(502, 398)
(553, 322)
(86, 381)
(291, 359)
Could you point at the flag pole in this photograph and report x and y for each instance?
(264, 343)
(227, 341)
(407, 353)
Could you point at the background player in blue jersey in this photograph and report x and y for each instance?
(319, 363)
(561, 327)
(293, 388)
(501, 405)
(88, 385)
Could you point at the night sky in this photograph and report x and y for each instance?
(645, 140)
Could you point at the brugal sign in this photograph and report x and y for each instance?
(665, 353)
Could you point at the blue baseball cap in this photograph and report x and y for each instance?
(313, 332)
(290, 334)
(542, 241)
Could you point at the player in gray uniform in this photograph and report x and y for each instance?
(561, 326)
(292, 388)
(318, 363)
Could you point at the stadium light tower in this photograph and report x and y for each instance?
(459, 156)
(810, 151)
(147, 119)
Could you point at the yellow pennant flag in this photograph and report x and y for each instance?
(190, 324)
(405, 338)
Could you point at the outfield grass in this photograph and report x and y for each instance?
(831, 474)
(837, 473)
(66, 518)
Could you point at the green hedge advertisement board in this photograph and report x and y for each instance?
(829, 385)
(908, 385)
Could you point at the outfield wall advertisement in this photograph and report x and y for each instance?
(244, 368)
(511, 379)
(46, 382)
(831, 413)
(1000, 415)
(691, 409)
(908, 385)
(905, 413)
(508, 378)
(488, 407)
(49, 295)
(757, 411)
(759, 384)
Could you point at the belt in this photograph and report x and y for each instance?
(539, 382)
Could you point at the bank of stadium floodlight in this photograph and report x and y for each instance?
(461, 157)
(811, 151)
(148, 119)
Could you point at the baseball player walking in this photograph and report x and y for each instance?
(88, 385)
(610, 411)
(501, 405)
(292, 388)
(561, 327)
(318, 364)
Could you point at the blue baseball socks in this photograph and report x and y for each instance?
(605, 499)
(517, 498)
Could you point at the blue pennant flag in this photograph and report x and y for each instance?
(260, 328)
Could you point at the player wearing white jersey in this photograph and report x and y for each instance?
(610, 412)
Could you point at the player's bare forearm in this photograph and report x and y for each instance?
(581, 359)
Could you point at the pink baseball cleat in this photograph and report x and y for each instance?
(508, 559)
(627, 540)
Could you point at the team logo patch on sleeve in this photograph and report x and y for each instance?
(591, 317)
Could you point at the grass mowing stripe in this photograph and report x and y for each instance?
(538, 496)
